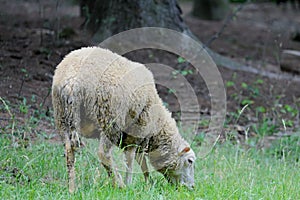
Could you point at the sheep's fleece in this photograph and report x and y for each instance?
(99, 94)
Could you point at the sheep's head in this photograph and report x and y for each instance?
(183, 172)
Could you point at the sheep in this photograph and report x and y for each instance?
(99, 94)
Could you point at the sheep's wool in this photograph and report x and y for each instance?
(96, 91)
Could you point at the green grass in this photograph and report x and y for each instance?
(229, 172)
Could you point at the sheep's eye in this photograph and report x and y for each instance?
(190, 161)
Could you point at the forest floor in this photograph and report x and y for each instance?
(34, 37)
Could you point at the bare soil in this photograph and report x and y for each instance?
(34, 37)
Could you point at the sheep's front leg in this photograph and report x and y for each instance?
(105, 155)
(141, 160)
(70, 158)
(130, 155)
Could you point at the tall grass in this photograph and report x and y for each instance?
(229, 172)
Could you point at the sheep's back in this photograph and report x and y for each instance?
(106, 89)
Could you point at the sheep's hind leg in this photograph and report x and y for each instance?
(129, 154)
(141, 160)
(70, 158)
(105, 155)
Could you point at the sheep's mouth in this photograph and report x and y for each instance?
(190, 187)
(175, 180)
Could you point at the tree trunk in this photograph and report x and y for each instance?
(211, 9)
(108, 17)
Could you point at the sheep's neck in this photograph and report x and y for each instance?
(163, 152)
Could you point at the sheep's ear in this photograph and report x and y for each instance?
(185, 150)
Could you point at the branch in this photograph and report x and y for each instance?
(233, 65)
(225, 24)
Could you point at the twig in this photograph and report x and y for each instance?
(57, 19)
(12, 117)
(41, 13)
(240, 113)
(225, 24)
(21, 87)
(44, 99)
(212, 148)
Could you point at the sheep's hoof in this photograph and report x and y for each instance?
(119, 184)
(122, 186)
(71, 190)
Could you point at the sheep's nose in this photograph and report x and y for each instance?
(190, 187)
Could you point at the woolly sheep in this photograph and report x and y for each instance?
(99, 94)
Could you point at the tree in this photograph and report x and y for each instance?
(108, 17)
(211, 9)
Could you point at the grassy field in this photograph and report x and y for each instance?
(229, 172)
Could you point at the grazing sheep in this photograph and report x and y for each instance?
(99, 94)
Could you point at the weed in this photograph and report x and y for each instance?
(264, 116)
(266, 127)
(183, 68)
(23, 107)
(44, 51)
(181, 60)
(25, 72)
(260, 109)
(171, 91)
(182, 72)
(24, 120)
(66, 33)
(287, 148)
(230, 84)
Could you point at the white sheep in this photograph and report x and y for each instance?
(99, 94)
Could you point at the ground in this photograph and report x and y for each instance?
(34, 41)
